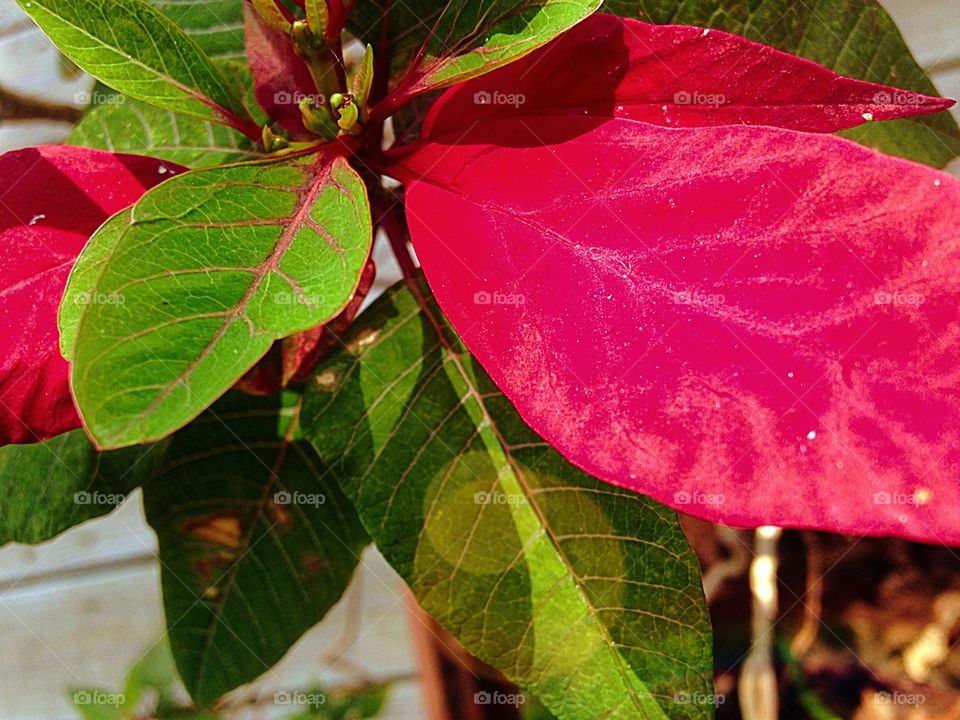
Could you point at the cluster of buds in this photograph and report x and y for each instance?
(336, 109)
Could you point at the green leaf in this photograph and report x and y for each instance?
(154, 672)
(51, 486)
(137, 50)
(856, 38)
(362, 81)
(365, 701)
(585, 594)
(96, 704)
(472, 36)
(256, 541)
(123, 124)
(174, 299)
(216, 25)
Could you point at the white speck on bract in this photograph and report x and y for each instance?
(812, 435)
(936, 183)
(162, 170)
(35, 218)
(706, 32)
(867, 116)
(790, 374)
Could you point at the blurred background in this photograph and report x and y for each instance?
(79, 611)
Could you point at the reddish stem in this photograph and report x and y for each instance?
(395, 226)
(338, 65)
(381, 78)
(401, 94)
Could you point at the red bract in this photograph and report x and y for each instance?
(280, 76)
(676, 76)
(56, 197)
(750, 324)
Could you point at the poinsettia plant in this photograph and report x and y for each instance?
(651, 273)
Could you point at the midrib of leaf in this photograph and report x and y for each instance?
(409, 409)
(533, 523)
(245, 546)
(231, 118)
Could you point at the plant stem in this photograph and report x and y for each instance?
(395, 226)
(381, 79)
(338, 65)
(758, 680)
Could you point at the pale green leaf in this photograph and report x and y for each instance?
(137, 50)
(463, 38)
(216, 25)
(123, 124)
(174, 299)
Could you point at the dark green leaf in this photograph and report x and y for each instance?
(139, 51)
(256, 540)
(216, 25)
(856, 38)
(187, 289)
(472, 36)
(51, 486)
(582, 593)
